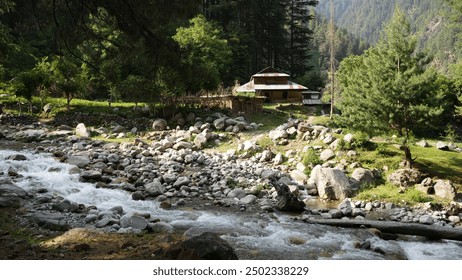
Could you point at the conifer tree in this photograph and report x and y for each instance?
(390, 89)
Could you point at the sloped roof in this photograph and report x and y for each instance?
(270, 72)
(252, 87)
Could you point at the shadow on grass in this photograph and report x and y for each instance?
(444, 165)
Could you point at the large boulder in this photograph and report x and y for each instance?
(442, 146)
(363, 176)
(332, 184)
(11, 195)
(207, 246)
(445, 189)
(405, 177)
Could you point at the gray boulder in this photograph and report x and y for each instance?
(237, 193)
(442, 146)
(405, 177)
(248, 199)
(159, 125)
(81, 130)
(332, 184)
(207, 246)
(80, 161)
(200, 141)
(11, 195)
(326, 155)
(286, 200)
(17, 157)
(133, 220)
(363, 176)
(155, 188)
(445, 189)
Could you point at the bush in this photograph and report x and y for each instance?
(310, 160)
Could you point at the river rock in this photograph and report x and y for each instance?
(82, 131)
(17, 157)
(200, 141)
(11, 195)
(155, 188)
(91, 176)
(160, 227)
(207, 246)
(181, 181)
(326, 155)
(248, 199)
(405, 177)
(332, 184)
(220, 123)
(237, 193)
(132, 220)
(445, 189)
(278, 133)
(159, 125)
(286, 200)
(80, 161)
(66, 206)
(299, 177)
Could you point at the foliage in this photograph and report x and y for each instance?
(310, 160)
(389, 89)
(205, 54)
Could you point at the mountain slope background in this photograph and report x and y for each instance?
(437, 25)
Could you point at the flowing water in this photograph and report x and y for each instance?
(254, 236)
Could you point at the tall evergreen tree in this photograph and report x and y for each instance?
(300, 35)
(389, 88)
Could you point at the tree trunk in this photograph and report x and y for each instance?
(433, 232)
(408, 156)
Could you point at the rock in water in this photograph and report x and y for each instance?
(207, 246)
(286, 200)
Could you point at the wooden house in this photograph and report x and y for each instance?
(275, 86)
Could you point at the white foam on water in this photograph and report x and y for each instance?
(434, 250)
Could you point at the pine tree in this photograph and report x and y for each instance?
(389, 88)
(300, 36)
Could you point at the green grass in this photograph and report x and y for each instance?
(391, 193)
(442, 164)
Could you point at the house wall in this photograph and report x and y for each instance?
(290, 95)
(271, 80)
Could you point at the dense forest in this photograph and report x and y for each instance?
(147, 51)
(153, 51)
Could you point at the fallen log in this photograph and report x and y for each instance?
(429, 231)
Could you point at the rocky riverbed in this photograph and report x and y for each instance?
(172, 168)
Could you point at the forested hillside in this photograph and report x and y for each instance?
(147, 51)
(436, 23)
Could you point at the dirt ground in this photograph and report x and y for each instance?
(31, 243)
